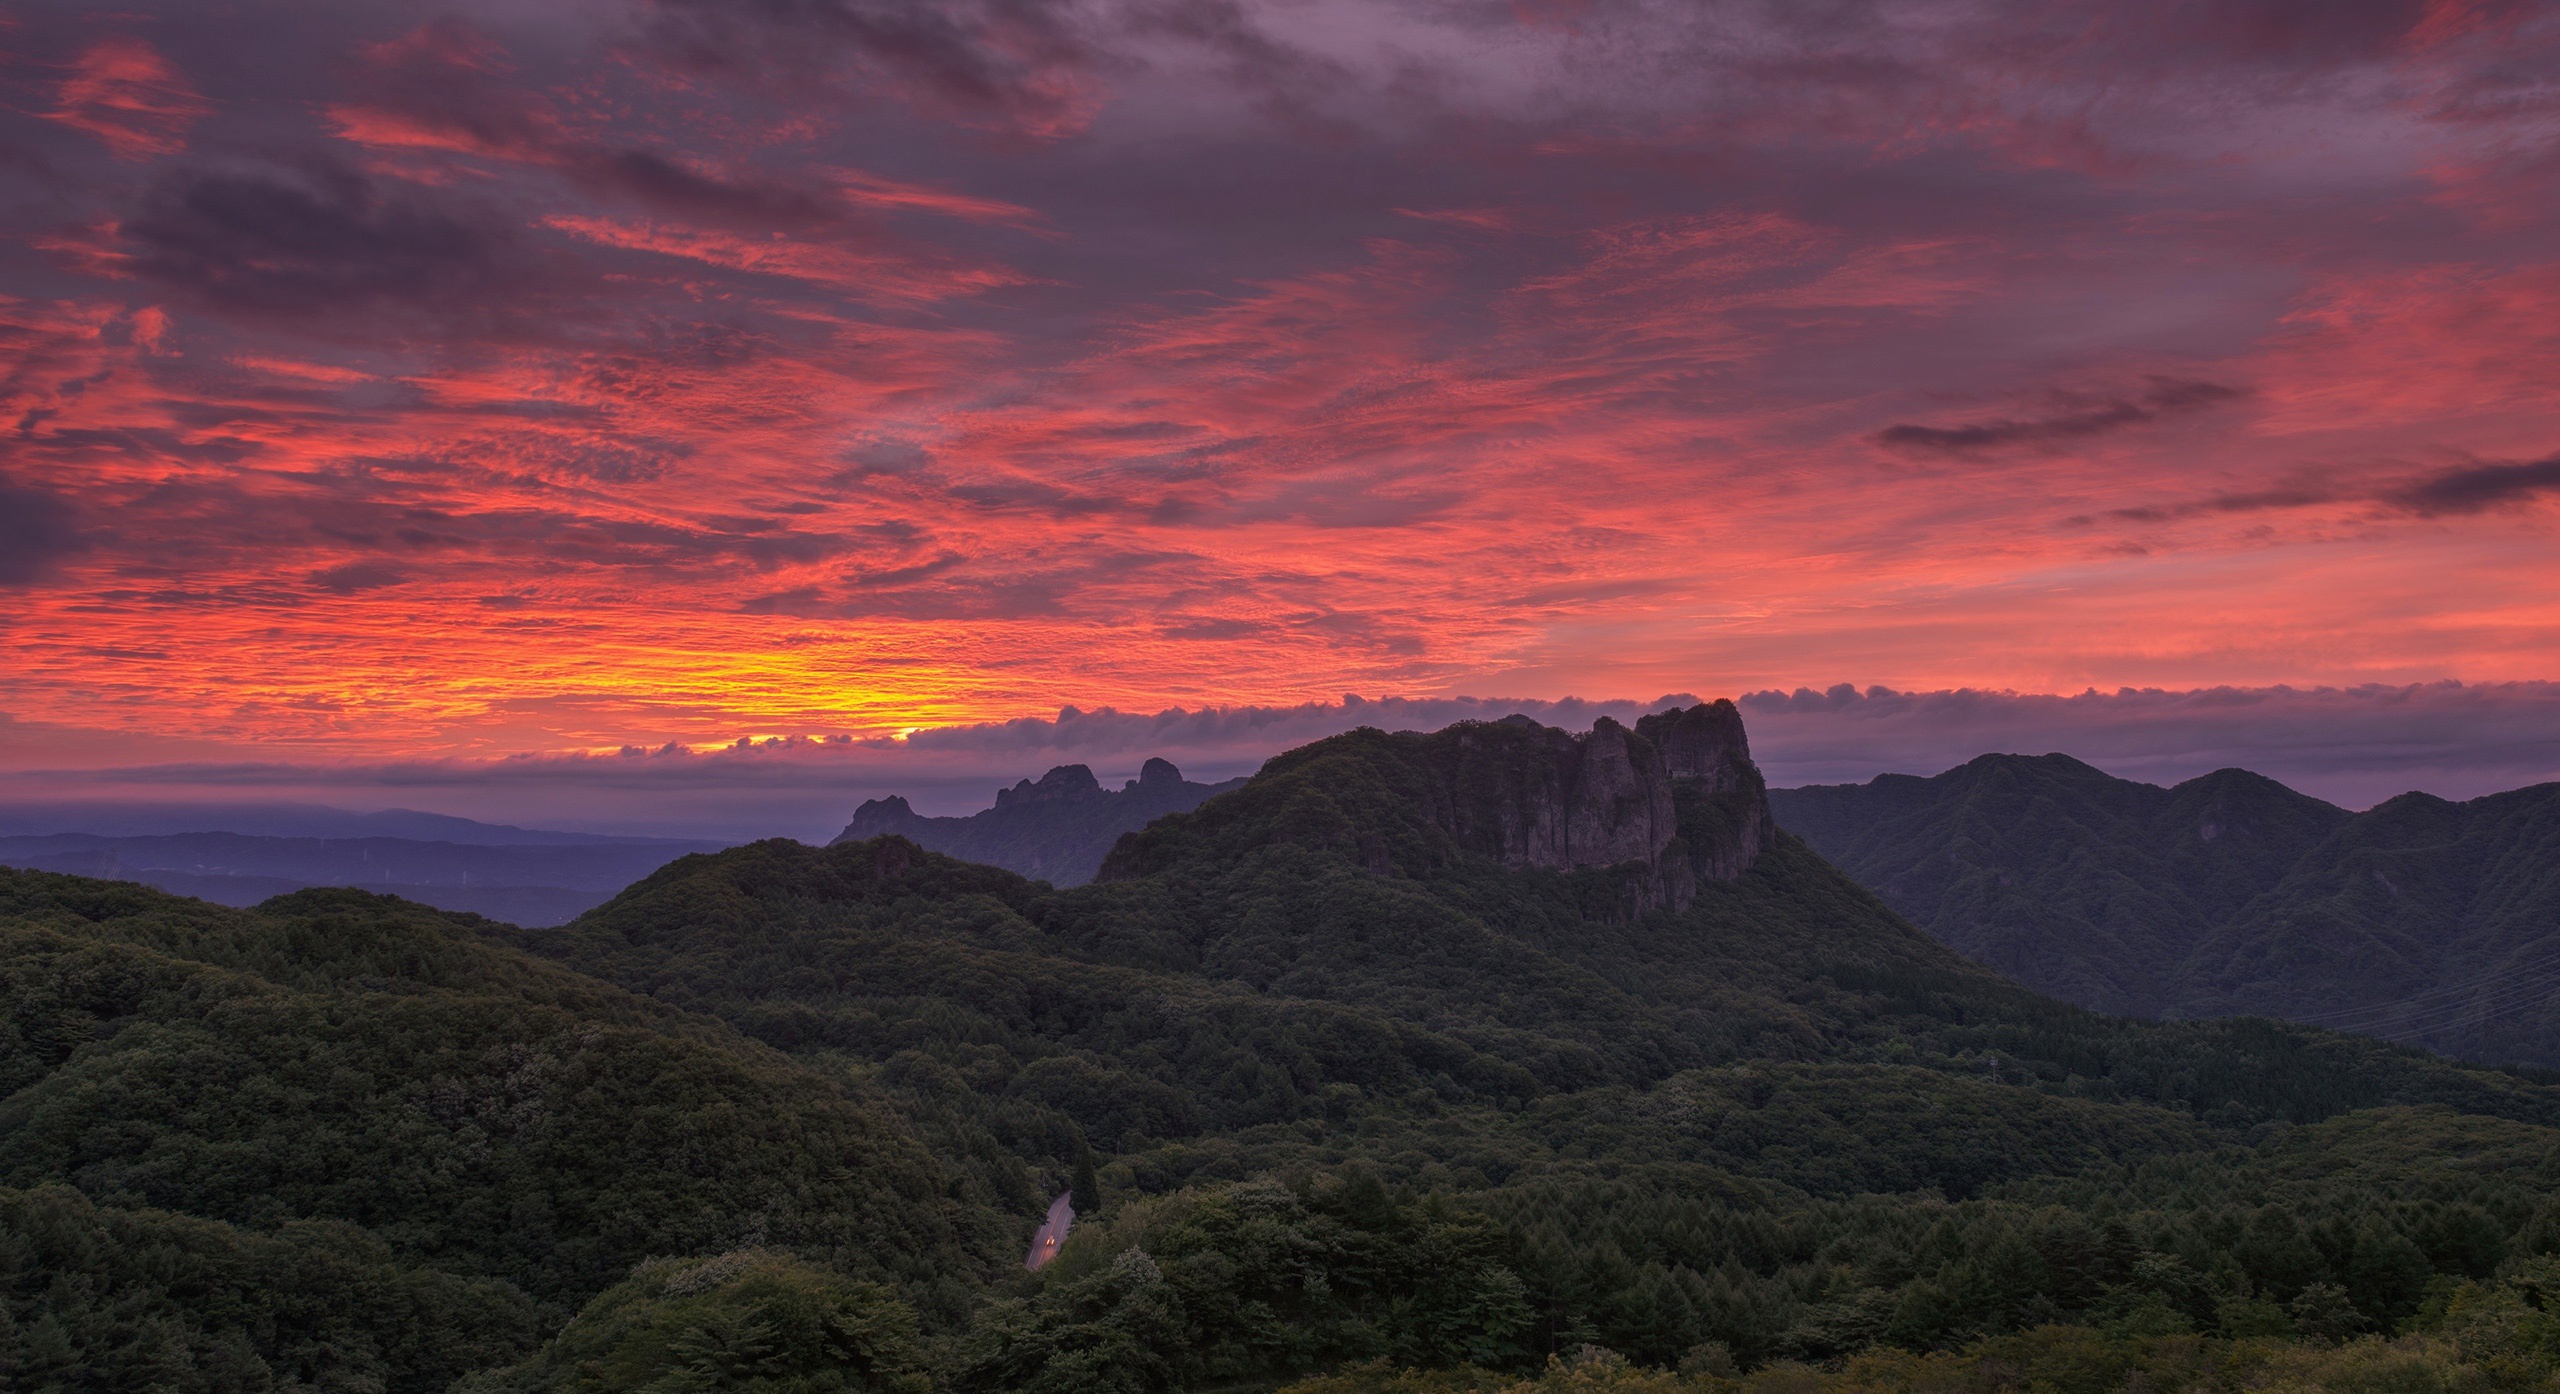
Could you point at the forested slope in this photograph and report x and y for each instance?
(477, 1141)
(2422, 920)
(1458, 1050)
(1775, 1117)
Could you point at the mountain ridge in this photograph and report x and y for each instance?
(1395, 1053)
(1057, 828)
(518, 881)
(2421, 919)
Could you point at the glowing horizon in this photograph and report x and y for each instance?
(536, 381)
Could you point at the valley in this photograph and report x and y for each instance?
(1470, 1050)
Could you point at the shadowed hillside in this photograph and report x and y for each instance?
(2421, 920)
(1056, 830)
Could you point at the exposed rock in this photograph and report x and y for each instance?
(1704, 742)
(1532, 795)
(1724, 803)
(1521, 794)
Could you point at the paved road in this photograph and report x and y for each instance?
(1044, 1245)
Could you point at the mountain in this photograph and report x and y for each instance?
(1420, 1058)
(1057, 829)
(296, 820)
(2421, 920)
(520, 881)
(344, 1141)
(1653, 1083)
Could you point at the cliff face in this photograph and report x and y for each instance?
(1531, 795)
(1657, 808)
(1723, 801)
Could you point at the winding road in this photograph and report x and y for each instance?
(1044, 1245)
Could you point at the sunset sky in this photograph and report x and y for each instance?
(389, 384)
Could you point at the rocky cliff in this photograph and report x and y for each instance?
(1722, 800)
(1530, 795)
(1654, 809)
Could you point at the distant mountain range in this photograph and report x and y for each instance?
(512, 877)
(109, 819)
(2423, 921)
(1057, 829)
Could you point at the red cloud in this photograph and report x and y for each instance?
(545, 385)
(135, 101)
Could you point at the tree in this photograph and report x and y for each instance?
(1085, 1192)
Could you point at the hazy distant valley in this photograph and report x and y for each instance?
(527, 882)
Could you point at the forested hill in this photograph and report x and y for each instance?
(2421, 920)
(342, 1141)
(1056, 829)
(1456, 1051)
(522, 880)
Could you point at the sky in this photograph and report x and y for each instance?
(494, 389)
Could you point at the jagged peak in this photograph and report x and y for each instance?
(877, 816)
(1702, 742)
(1062, 784)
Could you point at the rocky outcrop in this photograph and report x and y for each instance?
(876, 816)
(1705, 742)
(1674, 801)
(1723, 801)
(1531, 795)
(1056, 828)
(1641, 817)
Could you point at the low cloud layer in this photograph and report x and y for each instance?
(2353, 746)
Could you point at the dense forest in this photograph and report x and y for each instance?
(1493, 1058)
(2422, 920)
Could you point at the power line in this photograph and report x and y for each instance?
(2493, 996)
(2549, 973)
